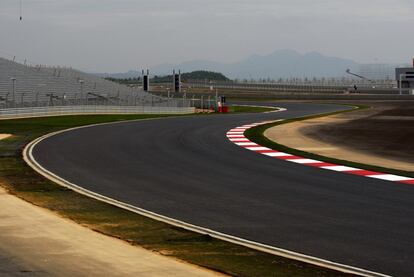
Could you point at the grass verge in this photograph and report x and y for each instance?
(19, 179)
(256, 135)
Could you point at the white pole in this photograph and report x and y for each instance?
(216, 99)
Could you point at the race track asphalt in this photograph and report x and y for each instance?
(185, 168)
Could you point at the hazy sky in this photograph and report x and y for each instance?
(117, 35)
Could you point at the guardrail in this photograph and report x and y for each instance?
(308, 87)
(71, 110)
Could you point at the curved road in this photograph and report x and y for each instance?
(186, 168)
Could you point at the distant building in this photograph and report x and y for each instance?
(405, 77)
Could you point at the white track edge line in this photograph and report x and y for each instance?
(29, 159)
(276, 109)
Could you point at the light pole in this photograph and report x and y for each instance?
(13, 91)
(81, 90)
(21, 99)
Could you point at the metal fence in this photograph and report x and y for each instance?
(299, 87)
(72, 110)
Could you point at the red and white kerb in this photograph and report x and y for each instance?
(236, 136)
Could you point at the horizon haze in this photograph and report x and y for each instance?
(117, 36)
(284, 63)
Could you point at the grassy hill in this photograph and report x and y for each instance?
(199, 75)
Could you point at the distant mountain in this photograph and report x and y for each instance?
(279, 64)
(166, 69)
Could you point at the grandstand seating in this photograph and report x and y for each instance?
(46, 86)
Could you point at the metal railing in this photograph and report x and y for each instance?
(72, 110)
(299, 87)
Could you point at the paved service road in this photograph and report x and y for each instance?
(186, 168)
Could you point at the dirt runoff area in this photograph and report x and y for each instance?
(381, 136)
(36, 242)
(4, 136)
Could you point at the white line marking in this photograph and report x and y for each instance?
(304, 161)
(238, 130)
(277, 154)
(235, 136)
(260, 148)
(246, 144)
(340, 168)
(390, 177)
(239, 140)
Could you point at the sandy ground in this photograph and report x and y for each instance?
(293, 135)
(36, 242)
(4, 136)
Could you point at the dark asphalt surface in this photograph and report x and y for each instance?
(186, 168)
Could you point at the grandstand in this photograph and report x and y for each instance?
(24, 85)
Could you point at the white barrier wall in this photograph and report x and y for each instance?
(72, 110)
